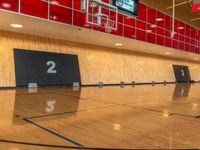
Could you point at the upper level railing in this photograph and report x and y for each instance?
(150, 26)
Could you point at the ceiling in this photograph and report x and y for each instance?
(76, 34)
(183, 12)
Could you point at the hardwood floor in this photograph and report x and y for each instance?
(144, 117)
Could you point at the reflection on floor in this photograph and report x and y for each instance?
(144, 116)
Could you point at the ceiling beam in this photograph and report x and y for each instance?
(195, 19)
(179, 4)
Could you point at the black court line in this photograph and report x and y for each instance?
(59, 93)
(170, 114)
(151, 110)
(156, 111)
(45, 92)
(148, 100)
(54, 133)
(195, 117)
(88, 99)
(71, 147)
(69, 112)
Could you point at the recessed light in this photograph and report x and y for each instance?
(167, 53)
(180, 28)
(6, 5)
(153, 26)
(159, 19)
(195, 58)
(118, 44)
(16, 25)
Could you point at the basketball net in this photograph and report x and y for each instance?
(108, 26)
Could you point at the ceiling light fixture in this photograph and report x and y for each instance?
(167, 53)
(16, 25)
(118, 44)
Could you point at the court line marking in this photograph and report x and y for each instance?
(89, 99)
(75, 111)
(160, 111)
(127, 104)
(61, 146)
(194, 117)
(58, 93)
(74, 96)
(86, 99)
(54, 133)
(170, 113)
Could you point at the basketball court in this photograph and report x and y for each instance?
(99, 74)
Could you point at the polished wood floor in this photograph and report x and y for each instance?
(142, 117)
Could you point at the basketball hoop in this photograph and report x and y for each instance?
(101, 15)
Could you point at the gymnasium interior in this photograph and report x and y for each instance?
(99, 74)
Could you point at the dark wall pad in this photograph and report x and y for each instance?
(182, 73)
(33, 66)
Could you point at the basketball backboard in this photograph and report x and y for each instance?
(102, 15)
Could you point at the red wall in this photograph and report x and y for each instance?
(139, 28)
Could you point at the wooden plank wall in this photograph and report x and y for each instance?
(96, 63)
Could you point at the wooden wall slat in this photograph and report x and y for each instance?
(96, 63)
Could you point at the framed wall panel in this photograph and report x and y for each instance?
(45, 69)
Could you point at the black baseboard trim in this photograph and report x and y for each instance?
(117, 84)
(42, 86)
(8, 87)
(90, 85)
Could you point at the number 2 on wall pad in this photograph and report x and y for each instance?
(52, 67)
